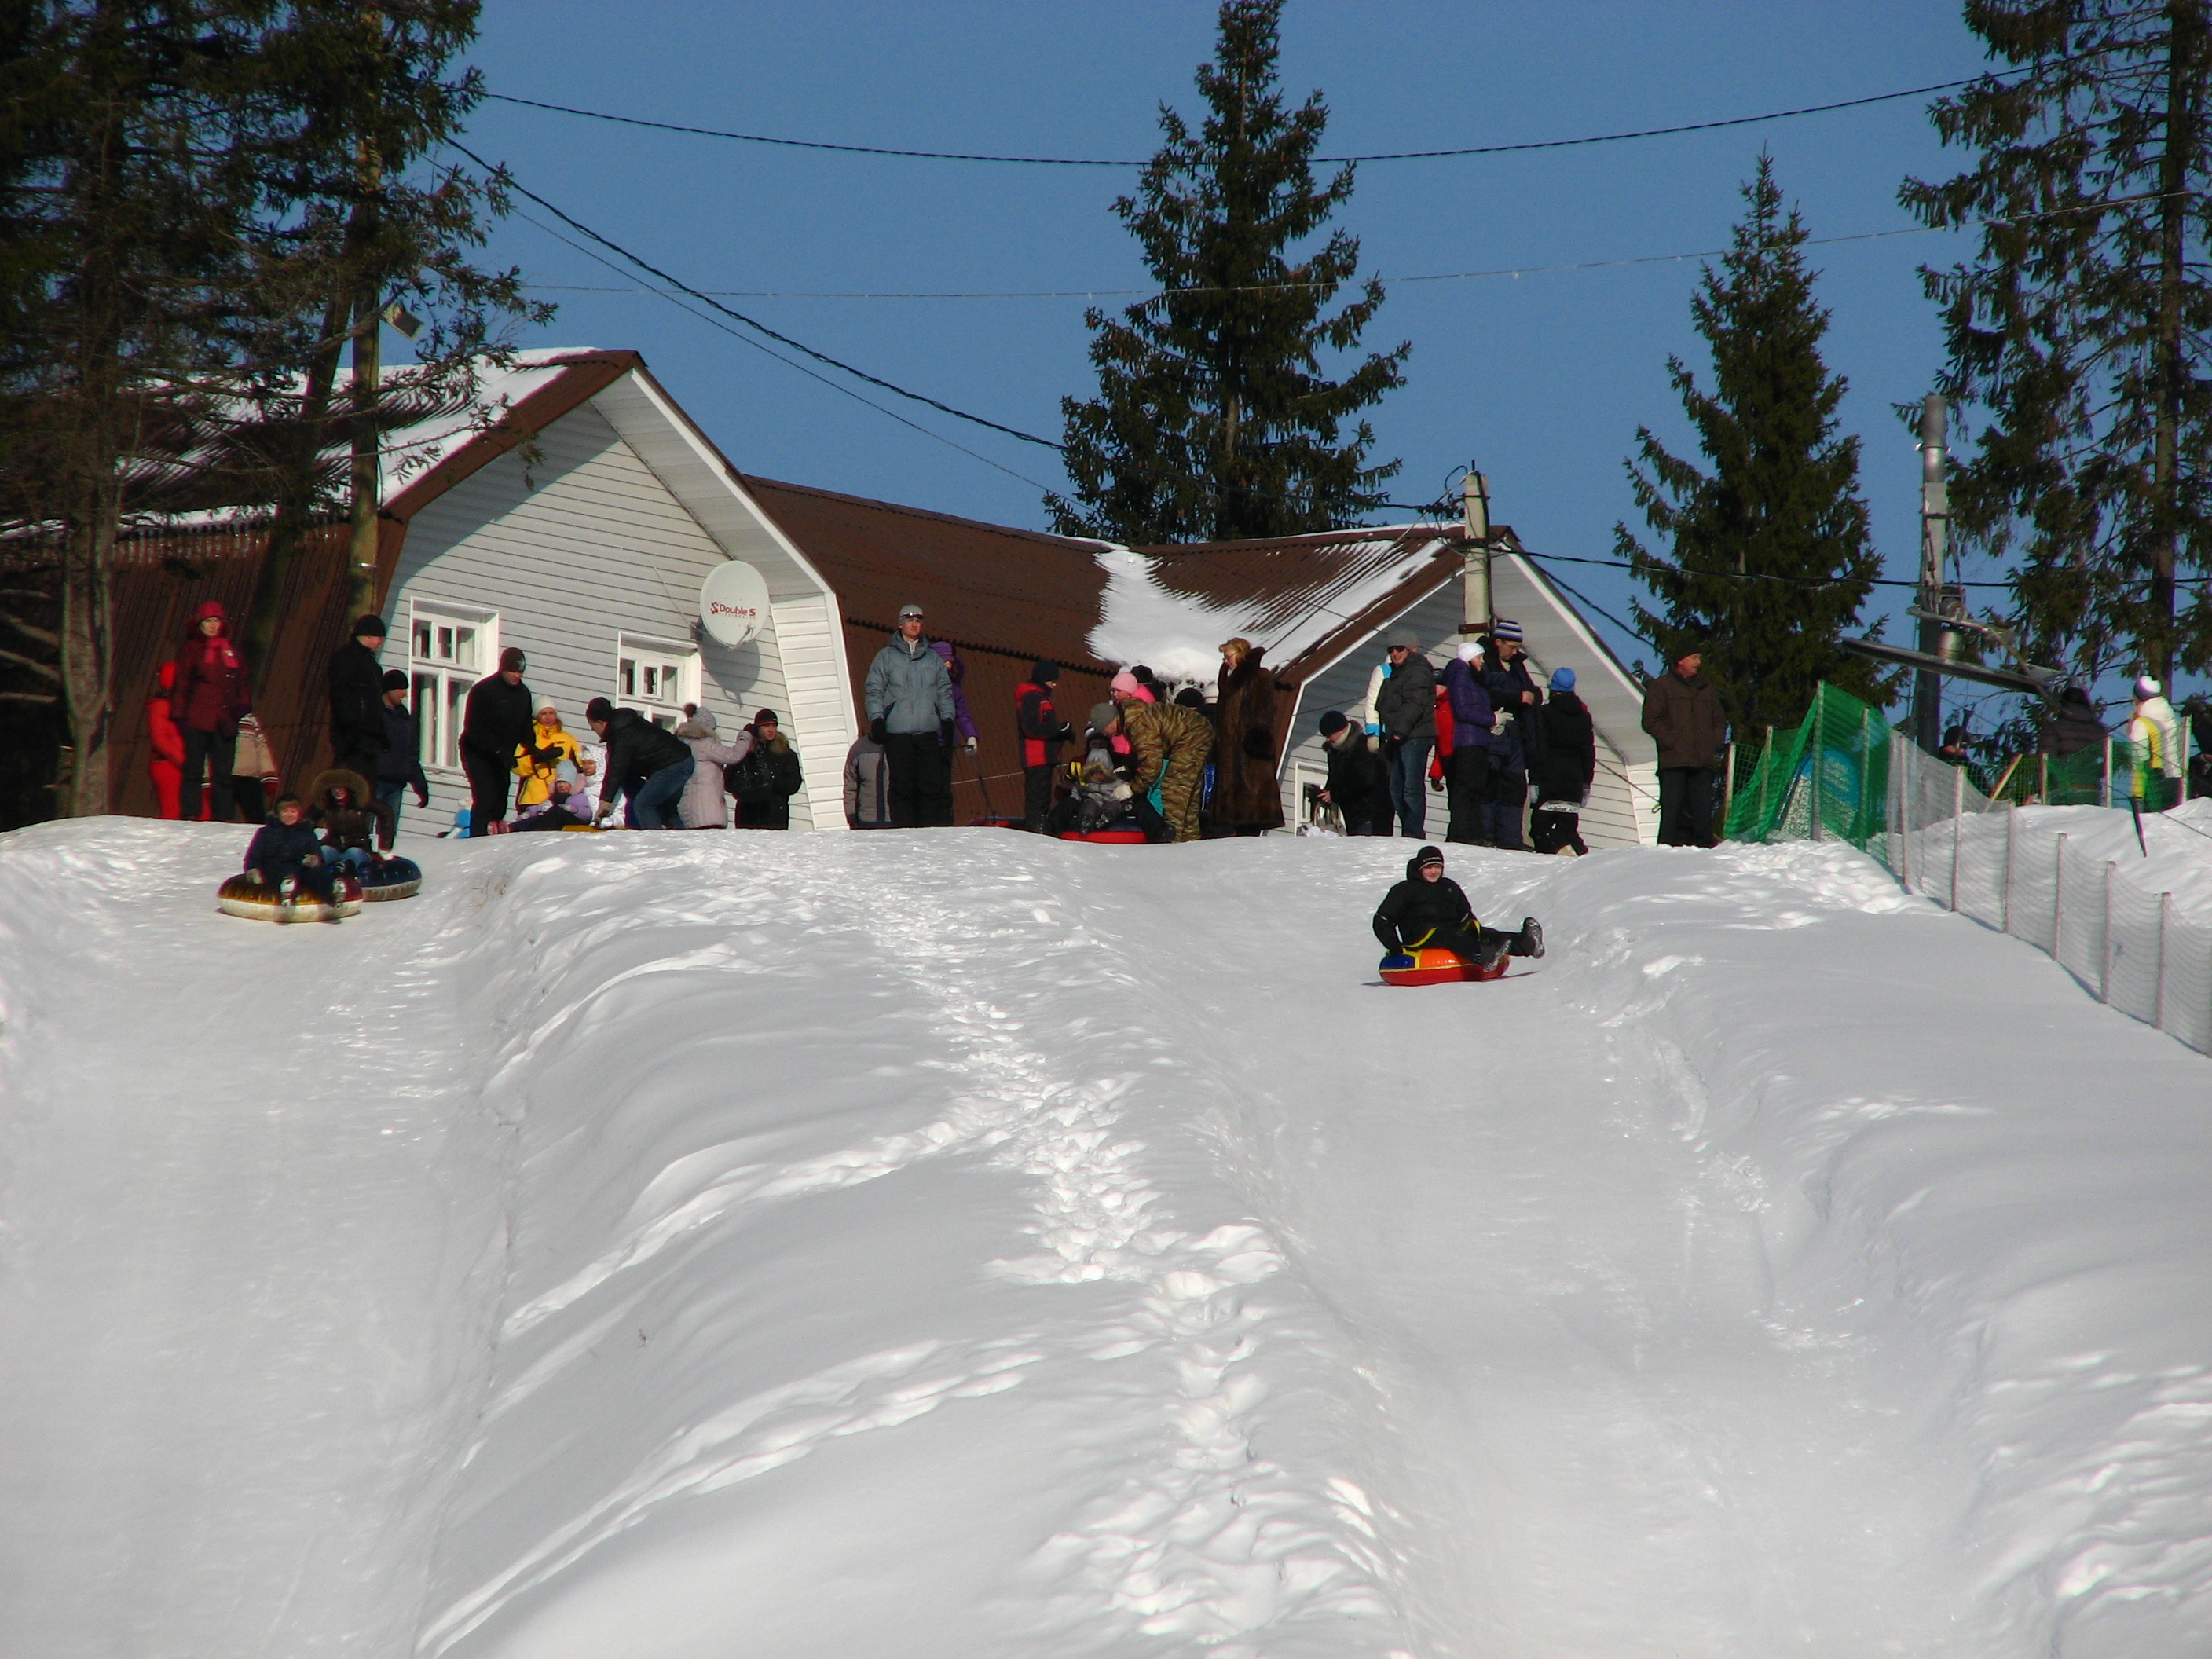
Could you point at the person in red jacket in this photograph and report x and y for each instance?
(207, 697)
(167, 764)
(1042, 732)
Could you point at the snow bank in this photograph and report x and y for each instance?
(2175, 855)
(960, 1244)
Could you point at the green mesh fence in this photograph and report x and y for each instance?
(1826, 778)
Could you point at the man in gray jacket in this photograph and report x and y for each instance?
(910, 709)
(1405, 708)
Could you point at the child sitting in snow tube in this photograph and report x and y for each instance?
(1430, 930)
(357, 835)
(1102, 806)
(287, 876)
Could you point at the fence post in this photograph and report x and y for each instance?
(2012, 815)
(1728, 784)
(2104, 785)
(1958, 817)
(2187, 732)
(2104, 964)
(2058, 902)
(1813, 778)
(2158, 996)
(1765, 763)
(2043, 780)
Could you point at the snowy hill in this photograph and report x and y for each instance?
(956, 1244)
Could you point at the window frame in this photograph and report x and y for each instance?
(683, 655)
(438, 719)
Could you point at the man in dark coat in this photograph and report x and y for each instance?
(638, 749)
(1405, 709)
(1358, 782)
(1512, 687)
(2073, 726)
(1428, 912)
(1042, 731)
(767, 778)
(1563, 775)
(357, 699)
(1683, 714)
(500, 720)
(1248, 795)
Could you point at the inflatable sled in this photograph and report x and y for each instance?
(1115, 835)
(987, 823)
(242, 896)
(393, 878)
(1435, 967)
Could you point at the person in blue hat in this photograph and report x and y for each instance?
(1566, 764)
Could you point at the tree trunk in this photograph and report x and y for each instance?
(296, 500)
(2177, 168)
(88, 635)
(368, 377)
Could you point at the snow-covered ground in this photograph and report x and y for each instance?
(956, 1244)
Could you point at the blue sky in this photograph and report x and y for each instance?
(1543, 377)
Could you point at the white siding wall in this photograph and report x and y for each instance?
(589, 545)
(1623, 805)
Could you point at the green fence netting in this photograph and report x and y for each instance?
(1828, 777)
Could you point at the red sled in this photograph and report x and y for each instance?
(996, 824)
(1112, 837)
(1435, 967)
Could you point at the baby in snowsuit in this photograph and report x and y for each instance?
(1428, 912)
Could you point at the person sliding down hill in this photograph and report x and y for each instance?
(1426, 912)
(285, 854)
(350, 819)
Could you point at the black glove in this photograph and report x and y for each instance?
(876, 732)
(1436, 784)
(549, 755)
(945, 733)
(421, 798)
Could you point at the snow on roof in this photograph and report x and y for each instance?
(412, 450)
(1172, 608)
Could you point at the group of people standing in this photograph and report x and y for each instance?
(1483, 733)
(1145, 753)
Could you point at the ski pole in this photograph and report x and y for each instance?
(2135, 807)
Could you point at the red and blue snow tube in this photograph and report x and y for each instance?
(1429, 966)
(1112, 835)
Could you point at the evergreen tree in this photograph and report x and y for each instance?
(1214, 419)
(2081, 325)
(1766, 560)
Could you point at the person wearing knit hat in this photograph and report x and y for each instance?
(767, 778)
(1428, 911)
(1405, 709)
(356, 688)
(1466, 765)
(1563, 680)
(1563, 775)
(497, 728)
(398, 768)
(2155, 743)
(1125, 687)
(1359, 784)
(1039, 732)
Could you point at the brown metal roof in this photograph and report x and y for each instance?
(1017, 591)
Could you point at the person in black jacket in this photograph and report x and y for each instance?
(767, 778)
(286, 853)
(1405, 709)
(357, 699)
(1359, 779)
(1567, 766)
(1427, 912)
(399, 768)
(636, 749)
(499, 720)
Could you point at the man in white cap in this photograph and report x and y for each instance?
(908, 699)
(2155, 735)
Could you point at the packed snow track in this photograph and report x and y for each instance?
(957, 1243)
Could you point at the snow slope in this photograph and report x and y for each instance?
(959, 1243)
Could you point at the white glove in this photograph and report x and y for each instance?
(969, 745)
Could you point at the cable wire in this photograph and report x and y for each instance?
(1318, 160)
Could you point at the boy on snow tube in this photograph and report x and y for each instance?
(285, 850)
(1428, 912)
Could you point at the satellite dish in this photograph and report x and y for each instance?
(733, 603)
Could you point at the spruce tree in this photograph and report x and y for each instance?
(1214, 417)
(1766, 560)
(2081, 325)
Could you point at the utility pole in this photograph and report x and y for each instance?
(1936, 640)
(1475, 607)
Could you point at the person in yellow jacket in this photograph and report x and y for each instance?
(535, 766)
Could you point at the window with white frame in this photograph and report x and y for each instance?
(448, 651)
(656, 677)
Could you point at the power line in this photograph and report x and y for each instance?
(812, 375)
(756, 326)
(1321, 161)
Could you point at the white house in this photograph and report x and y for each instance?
(580, 525)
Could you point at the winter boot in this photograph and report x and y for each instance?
(1532, 932)
(1492, 949)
